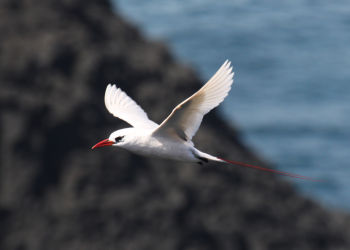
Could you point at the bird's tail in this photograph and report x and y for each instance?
(237, 163)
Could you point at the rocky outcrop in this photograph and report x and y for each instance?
(56, 58)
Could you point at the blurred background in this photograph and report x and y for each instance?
(287, 110)
(291, 98)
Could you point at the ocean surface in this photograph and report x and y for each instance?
(291, 96)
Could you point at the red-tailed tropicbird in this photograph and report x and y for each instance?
(172, 139)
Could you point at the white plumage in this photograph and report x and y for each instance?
(119, 104)
(186, 117)
(171, 139)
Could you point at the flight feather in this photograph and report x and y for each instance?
(119, 104)
(186, 117)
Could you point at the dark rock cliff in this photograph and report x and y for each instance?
(56, 58)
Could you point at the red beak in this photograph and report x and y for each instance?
(103, 143)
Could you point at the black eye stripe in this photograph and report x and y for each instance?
(119, 138)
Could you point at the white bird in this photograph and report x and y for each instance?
(172, 139)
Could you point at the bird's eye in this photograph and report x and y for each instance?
(118, 139)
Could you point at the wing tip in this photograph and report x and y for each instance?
(227, 66)
(227, 63)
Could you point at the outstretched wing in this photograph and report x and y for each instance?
(186, 118)
(119, 104)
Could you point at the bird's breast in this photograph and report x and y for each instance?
(161, 147)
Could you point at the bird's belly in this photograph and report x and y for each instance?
(157, 147)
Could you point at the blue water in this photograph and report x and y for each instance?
(292, 83)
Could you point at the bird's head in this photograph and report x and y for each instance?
(117, 138)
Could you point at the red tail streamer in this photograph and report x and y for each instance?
(270, 170)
